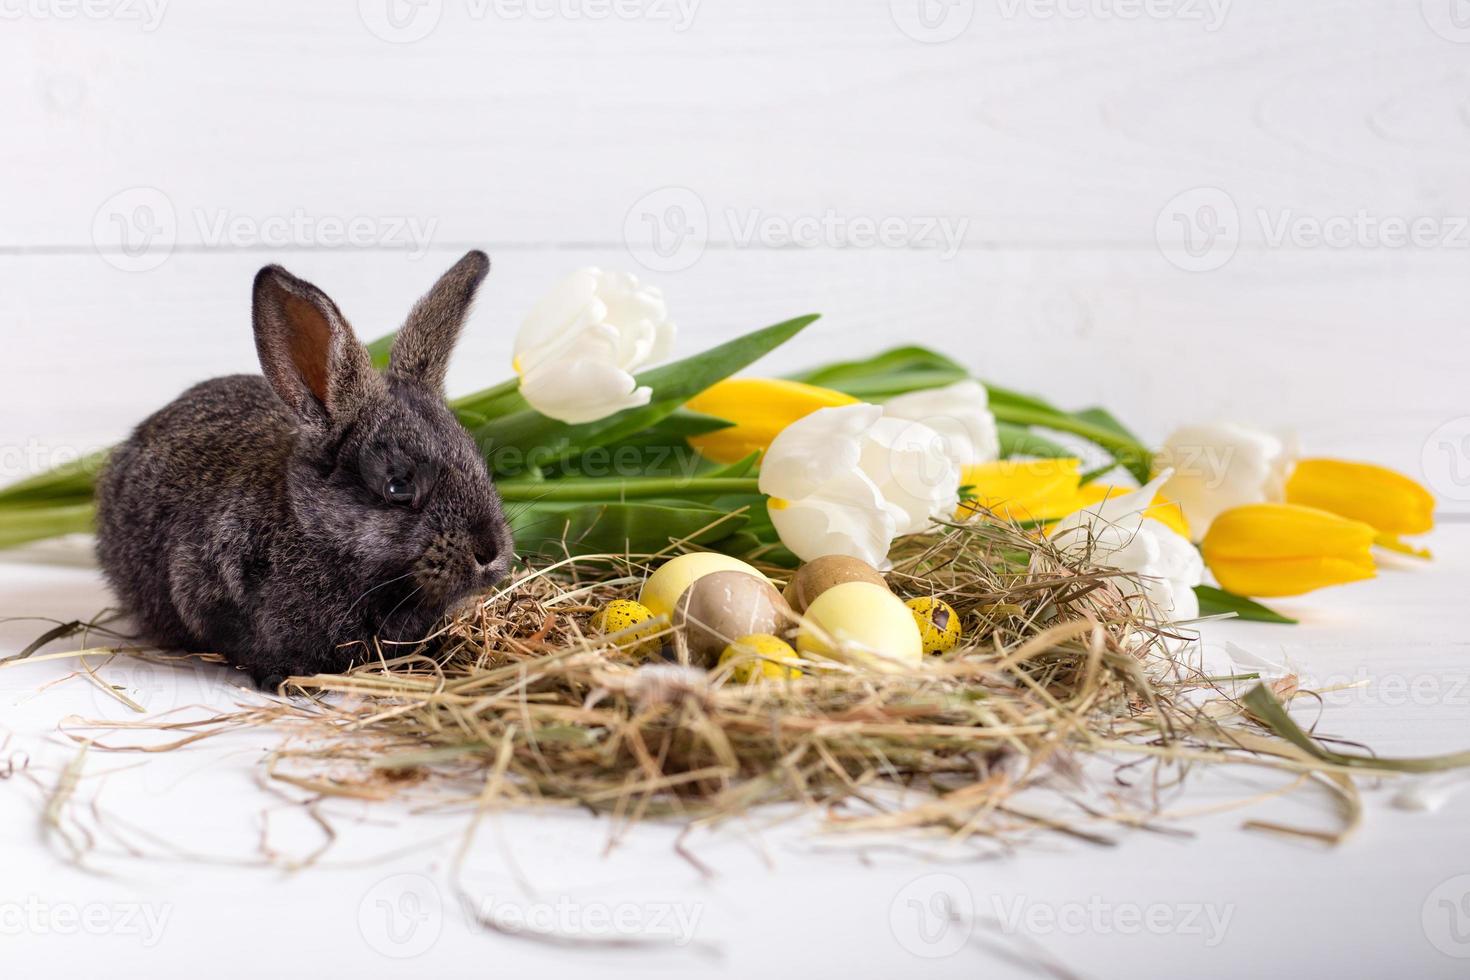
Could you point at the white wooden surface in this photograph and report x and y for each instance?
(149, 167)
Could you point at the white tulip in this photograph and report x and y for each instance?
(1117, 532)
(960, 413)
(579, 348)
(847, 481)
(1217, 467)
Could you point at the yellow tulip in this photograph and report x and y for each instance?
(1047, 490)
(1286, 549)
(760, 409)
(1024, 489)
(1391, 502)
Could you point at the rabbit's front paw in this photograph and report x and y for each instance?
(267, 680)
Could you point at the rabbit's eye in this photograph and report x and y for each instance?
(399, 490)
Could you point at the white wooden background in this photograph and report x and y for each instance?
(150, 154)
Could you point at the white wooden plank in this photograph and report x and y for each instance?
(1038, 129)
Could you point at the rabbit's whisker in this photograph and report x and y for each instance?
(375, 588)
(416, 591)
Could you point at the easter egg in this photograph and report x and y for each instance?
(820, 574)
(623, 614)
(863, 624)
(664, 587)
(760, 657)
(719, 608)
(939, 624)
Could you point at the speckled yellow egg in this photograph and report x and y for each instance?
(820, 574)
(939, 624)
(663, 588)
(864, 624)
(623, 614)
(762, 656)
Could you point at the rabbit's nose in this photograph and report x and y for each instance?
(485, 553)
(489, 549)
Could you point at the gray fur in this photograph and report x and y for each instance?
(250, 517)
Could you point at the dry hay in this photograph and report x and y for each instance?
(513, 703)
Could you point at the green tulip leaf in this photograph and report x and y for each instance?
(886, 375)
(643, 527)
(69, 483)
(1215, 602)
(661, 450)
(1016, 440)
(1269, 711)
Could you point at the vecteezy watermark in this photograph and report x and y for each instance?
(401, 916)
(299, 228)
(1200, 229)
(933, 916)
(1450, 19)
(1097, 916)
(143, 921)
(407, 21)
(148, 14)
(137, 229)
(158, 688)
(1445, 460)
(1446, 917)
(563, 916)
(932, 21)
(1210, 14)
(1390, 690)
(34, 456)
(668, 230)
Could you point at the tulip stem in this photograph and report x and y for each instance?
(22, 524)
(603, 491)
(484, 401)
(1132, 455)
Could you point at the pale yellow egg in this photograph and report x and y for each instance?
(864, 624)
(664, 587)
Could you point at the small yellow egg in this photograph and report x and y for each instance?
(939, 624)
(761, 656)
(864, 624)
(624, 614)
(663, 588)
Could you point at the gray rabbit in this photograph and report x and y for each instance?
(287, 521)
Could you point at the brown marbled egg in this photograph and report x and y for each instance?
(820, 574)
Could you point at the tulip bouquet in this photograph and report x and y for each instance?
(600, 446)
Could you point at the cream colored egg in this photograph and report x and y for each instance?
(664, 587)
(864, 624)
(721, 607)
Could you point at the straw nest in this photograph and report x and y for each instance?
(516, 703)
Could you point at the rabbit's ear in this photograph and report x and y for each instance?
(307, 350)
(422, 348)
